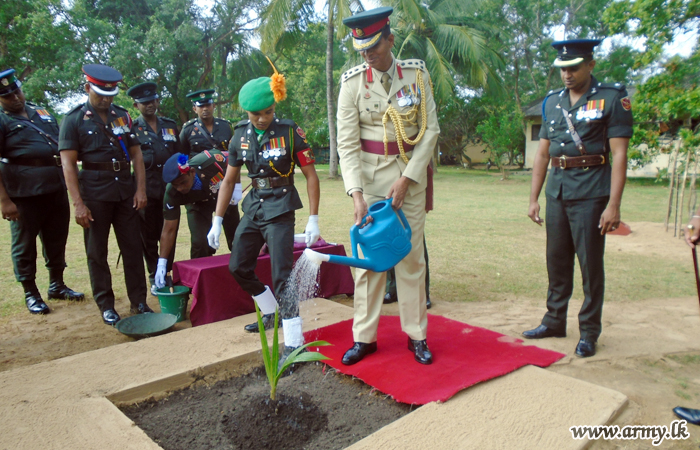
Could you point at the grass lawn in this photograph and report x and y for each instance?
(481, 243)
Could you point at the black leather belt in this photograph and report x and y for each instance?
(273, 182)
(35, 162)
(114, 166)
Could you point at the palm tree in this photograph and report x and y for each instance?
(444, 34)
(276, 18)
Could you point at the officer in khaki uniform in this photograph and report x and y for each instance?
(385, 86)
(205, 132)
(159, 139)
(32, 192)
(584, 126)
(191, 182)
(105, 194)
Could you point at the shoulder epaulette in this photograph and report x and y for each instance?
(289, 122)
(354, 71)
(76, 108)
(411, 64)
(189, 122)
(120, 107)
(544, 101)
(167, 119)
(242, 123)
(30, 104)
(616, 86)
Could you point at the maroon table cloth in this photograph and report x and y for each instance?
(217, 296)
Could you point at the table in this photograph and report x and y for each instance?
(217, 296)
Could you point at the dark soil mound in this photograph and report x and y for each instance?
(315, 408)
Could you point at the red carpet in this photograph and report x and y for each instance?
(463, 355)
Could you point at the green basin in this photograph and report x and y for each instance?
(145, 325)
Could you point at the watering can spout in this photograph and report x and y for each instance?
(315, 257)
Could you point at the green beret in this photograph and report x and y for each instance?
(256, 94)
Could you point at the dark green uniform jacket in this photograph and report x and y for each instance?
(210, 169)
(602, 113)
(18, 140)
(157, 146)
(82, 129)
(283, 145)
(194, 138)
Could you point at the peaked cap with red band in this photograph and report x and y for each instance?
(367, 26)
(103, 79)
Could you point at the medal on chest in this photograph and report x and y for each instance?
(274, 148)
(119, 126)
(44, 114)
(593, 109)
(168, 134)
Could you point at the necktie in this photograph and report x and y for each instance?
(386, 82)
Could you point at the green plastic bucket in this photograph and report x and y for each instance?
(174, 302)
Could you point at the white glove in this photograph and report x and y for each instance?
(237, 194)
(160, 272)
(312, 231)
(215, 232)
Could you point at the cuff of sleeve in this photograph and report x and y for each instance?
(68, 145)
(353, 190)
(621, 131)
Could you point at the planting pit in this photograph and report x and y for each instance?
(315, 408)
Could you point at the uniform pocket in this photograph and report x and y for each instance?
(370, 111)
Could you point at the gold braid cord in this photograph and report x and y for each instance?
(291, 168)
(397, 119)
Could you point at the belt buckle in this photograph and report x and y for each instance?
(116, 166)
(562, 161)
(57, 158)
(263, 183)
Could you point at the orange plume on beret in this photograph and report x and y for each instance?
(277, 84)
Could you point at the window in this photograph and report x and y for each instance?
(535, 132)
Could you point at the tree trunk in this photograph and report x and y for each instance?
(682, 200)
(330, 101)
(693, 192)
(672, 177)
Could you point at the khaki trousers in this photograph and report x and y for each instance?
(410, 282)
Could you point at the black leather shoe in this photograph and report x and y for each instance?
(389, 298)
(141, 308)
(35, 304)
(687, 414)
(585, 348)
(358, 351)
(428, 303)
(268, 323)
(110, 317)
(59, 291)
(543, 332)
(421, 351)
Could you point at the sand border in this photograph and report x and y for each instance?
(68, 403)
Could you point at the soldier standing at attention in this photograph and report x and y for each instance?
(584, 124)
(206, 133)
(380, 162)
(159, 140)
(104, 193)
(32, 192)
(270, 147)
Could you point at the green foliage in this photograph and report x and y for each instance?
(270, 357)
(299, 61)
(502, 132)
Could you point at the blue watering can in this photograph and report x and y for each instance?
(384, 242)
